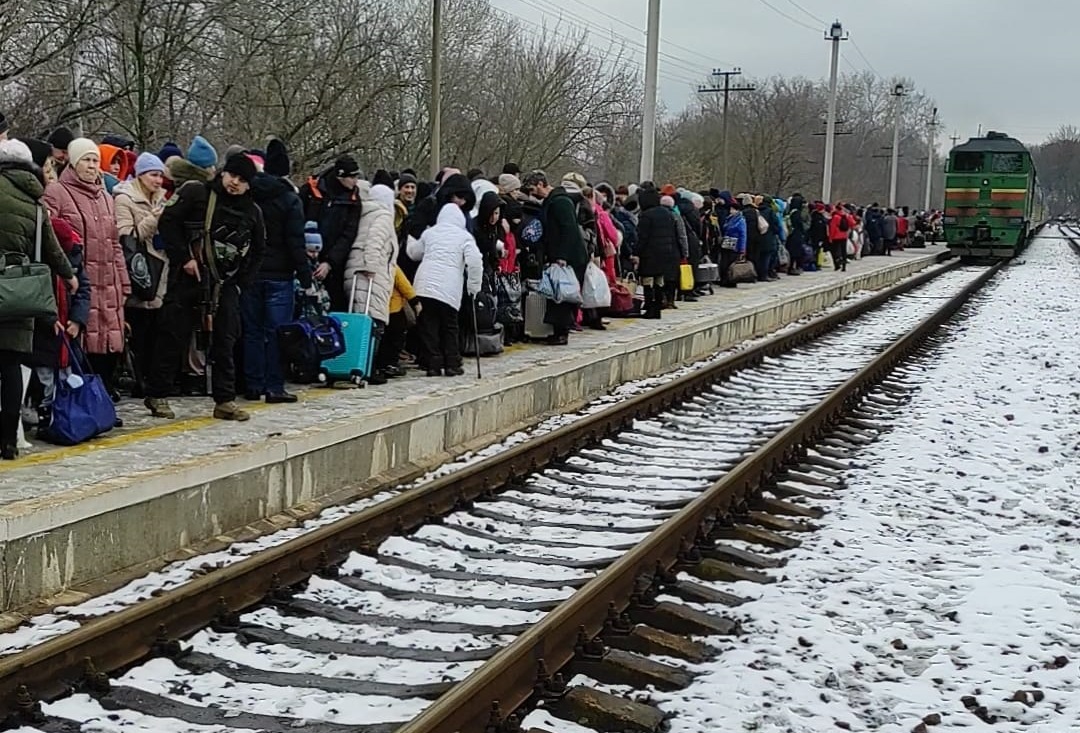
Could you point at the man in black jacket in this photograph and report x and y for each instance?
(269, 302)
(214, 236)
(332, 201)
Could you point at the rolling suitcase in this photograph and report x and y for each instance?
(358, 329)
(535, 310)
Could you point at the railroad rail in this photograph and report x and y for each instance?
(510, 677)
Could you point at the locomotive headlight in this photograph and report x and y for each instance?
(948, 220)
(1016, 221)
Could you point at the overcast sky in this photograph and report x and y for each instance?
(995, 62)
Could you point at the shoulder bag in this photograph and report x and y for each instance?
(26, 286)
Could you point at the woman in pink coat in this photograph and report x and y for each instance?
(79, 198)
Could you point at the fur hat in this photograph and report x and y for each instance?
(201, 153)
(81, 147)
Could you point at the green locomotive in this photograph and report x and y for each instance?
(992, 203)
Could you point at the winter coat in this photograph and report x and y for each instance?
(754, 237)
(91, 213)
(658, 238)
(562, 234)
(237, 219)
(69, 308)
(888, 227)
(373, 251)
(337, 211)
(20, 196)
(874, 225)
(692, 220)
(283, 215)
(403, 292)
(181, 171)
(735, 227)
(445, 252)
(797, 235)
(819, 228)
(135, 215)
(838, 233)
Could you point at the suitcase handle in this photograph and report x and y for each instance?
(352, 297)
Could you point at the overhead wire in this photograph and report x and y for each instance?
(790, 17)
(808, 13)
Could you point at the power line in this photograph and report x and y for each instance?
(866, 60)
(800, 7)
(790, 17)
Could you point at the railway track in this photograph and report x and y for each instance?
(450, 605)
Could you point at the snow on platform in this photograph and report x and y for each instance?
(950, 567)
(146, 491)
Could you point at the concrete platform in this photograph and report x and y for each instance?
(71, 516)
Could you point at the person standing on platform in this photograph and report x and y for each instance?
(839, 226)
(268, 303)
(79, 198)
(21, 213)
(139, 204)
(209, 267)
(332, 201)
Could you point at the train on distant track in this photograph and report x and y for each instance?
(993, 205)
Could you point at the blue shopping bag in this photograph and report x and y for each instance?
(83, 412)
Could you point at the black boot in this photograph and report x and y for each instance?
(44, 415)
(9, 435)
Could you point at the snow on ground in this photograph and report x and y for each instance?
(950, 566)
(65, 619)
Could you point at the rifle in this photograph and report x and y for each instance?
(210, 286)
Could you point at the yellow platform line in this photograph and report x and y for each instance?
(173, 427)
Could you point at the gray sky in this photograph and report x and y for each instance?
(976, 58)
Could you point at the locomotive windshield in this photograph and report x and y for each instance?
(1008, 163)
(968, 163)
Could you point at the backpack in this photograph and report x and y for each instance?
(844, 224)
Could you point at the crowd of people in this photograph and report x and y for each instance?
(175, 269)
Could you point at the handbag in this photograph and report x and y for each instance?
(83, 412)
(728, 243)
(686, 277)
(560, 284)
(144, 270)
(742, 272)
(26, 286)
(596, 292)
(629, 281)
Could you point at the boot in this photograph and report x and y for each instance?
(9, 433)
(230, 411)
(44, 416)
(159, 407)
(653, 303)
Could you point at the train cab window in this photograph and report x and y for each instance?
(968, 163)
(1008, 163)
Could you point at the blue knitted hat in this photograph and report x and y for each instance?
(312, 238)
(202, 153)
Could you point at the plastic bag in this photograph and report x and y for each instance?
(686, 277)
(596, 293)
(785, 257)
(824, 260)
(560, 284)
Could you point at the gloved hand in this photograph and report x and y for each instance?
(684, 261)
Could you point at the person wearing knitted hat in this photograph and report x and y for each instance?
(139, 204)
(201, 153)
(207, 281)
(20, 197)
(331, 199)
(79, 198)
(268, 303)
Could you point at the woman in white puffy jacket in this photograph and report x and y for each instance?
(447, 254)
(373, 256)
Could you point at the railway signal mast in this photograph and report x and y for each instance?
(834, 35)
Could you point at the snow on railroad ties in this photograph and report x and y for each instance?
(945, 581)
(84, 709)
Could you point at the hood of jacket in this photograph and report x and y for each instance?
(380, 195)
(181, 171)
(23, 177)
(451, 215)
(265, 187)
(648, 199)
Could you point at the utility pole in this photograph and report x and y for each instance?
(955, 139)
(931, 134)
(726, 90)
(834, 35)
(898, 94)
(436, 87)
(652, 70)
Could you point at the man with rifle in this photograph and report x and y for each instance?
(213, 234)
